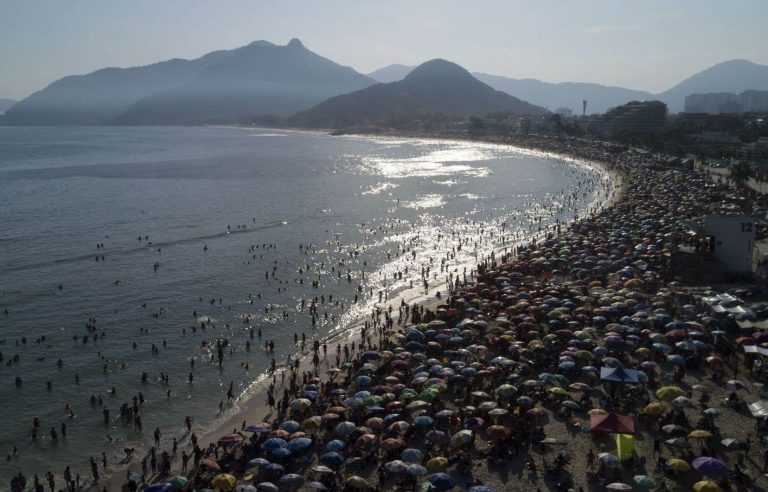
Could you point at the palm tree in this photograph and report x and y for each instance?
(740, 173)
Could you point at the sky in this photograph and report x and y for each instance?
(639, 44)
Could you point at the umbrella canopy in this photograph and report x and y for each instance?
(224, 481)
(669, 393)
(707, 486)
(619, 375)
(678, 465)
(644, 481)
(710, 467)
(612, 423)
(442, 481)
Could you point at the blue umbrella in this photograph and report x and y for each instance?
(480, 488)
(338, 391)
(290, 426)
(258, 462)
(159, 487)
(423, 420)
(267, 487)
(273, 443)
(299, 444)
(677, 360)
(411, 455)
(335, 445)
(567, 365)
(442, 481)
(280, 453)
(363, 381)
(257, 429)
(274, 468)
(332, 459)
(416, 470)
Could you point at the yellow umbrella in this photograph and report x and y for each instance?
(312, 422)
(557, 391)
(437, 463)
(224, 481)
(706, 486)
(357, 482)
(679, 465)
(597, 411)
(669, 393)
(655, 408)
(700, 434)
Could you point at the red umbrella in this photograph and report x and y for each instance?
(611, 423)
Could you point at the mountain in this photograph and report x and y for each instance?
(734, 76)
(600, 98)
(390, 73)
(220, 87)
(437, 86)
(100, 96)
(5, 104)
(256, 80)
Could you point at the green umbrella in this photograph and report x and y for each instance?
(644, 481)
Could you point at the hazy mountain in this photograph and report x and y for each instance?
(732, 76)
(100, 96)
(5, 104)
(437, 86)
(258, 79)
(391, 73)
(222, 86)
(570, 95)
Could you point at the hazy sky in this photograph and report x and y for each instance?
(640, 44)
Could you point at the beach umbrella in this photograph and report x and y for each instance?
(257, 429)
(669, 393)
(678, 465)
(258, 462)
(159, 487)
(733, 444)
(332, 459)
(280, 453)
(707, 486)
(644, 481)
(710, 467)
(267, 487)
(224, 481)
(700, 434)
(711, 412)
(299, 444)
(674, 430)
(461, 438)
(436, 436)
(396, 466)
(357, 482)
(210, 464)
(246, 488)
(442, 481)
(273, 443)
(437, 463)
(678, 442)
(655, 408)
(230, 439)
(392, 443)
(682, 401)
(618, 486)
(300, 404)
(291, 481)
(411, 455)
(416, 470)
(733, 384)
(608, 458)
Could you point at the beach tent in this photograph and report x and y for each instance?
(619, 375)
(625, 444)
(612, 423)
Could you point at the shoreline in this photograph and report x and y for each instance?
(254, 409)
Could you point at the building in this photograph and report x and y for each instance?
(634, 117)
(731, 240)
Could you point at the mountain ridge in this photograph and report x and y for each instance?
(434, 87)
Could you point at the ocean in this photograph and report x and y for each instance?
(126, 251)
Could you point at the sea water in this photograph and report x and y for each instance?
(209, 233)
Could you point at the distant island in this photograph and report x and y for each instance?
(5, 104)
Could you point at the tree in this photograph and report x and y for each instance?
(740, 173)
